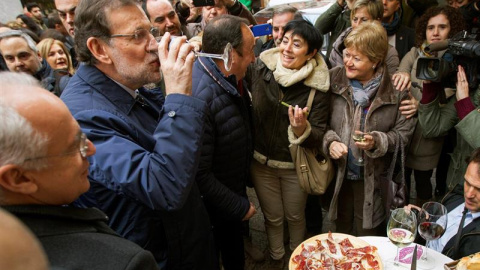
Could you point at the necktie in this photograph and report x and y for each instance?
(459, 234)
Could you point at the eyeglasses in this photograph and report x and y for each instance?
(140, 35)
(83, 149)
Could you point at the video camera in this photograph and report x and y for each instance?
(462, 49)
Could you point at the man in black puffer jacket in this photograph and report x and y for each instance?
(228, 146)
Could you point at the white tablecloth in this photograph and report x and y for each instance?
(388, 251)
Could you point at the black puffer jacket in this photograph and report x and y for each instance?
(227, 147)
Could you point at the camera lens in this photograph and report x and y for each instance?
(432, 68)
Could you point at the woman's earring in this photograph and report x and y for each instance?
(373, 66)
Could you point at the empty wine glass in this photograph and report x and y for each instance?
(226, 56)
(401, 229)
(432, 221)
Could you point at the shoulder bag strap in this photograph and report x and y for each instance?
(398, 147)
(310, 99)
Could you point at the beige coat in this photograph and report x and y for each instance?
(382, 119)
(423, 153)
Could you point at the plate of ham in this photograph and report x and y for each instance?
(335, 251)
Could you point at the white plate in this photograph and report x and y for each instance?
(356, 242)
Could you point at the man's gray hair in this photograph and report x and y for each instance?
(19, 141)
(18, 33)
(282, 9)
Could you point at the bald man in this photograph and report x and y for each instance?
(163, 16)
(43, 169)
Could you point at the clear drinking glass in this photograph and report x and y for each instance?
(401, 230)
(432, 221)
(357, 153)
(226, 56)
(358, 135)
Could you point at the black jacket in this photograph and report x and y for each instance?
(271, 117)
(76, 238)
(470, 234)
(404, 40)
(227, 148)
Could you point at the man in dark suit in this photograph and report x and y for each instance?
(399, 36)
(463, 205)
(462, 233)
(43, 169)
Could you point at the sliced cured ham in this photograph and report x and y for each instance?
(326, 250)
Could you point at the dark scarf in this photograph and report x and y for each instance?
(392, 27)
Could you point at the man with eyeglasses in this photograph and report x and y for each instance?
(148, 145)
(43, 169)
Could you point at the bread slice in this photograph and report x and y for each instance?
(469, 263)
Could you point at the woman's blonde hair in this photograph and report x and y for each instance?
(374, 8)
(369, 38)
(45, 45)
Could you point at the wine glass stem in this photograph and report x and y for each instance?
(211, 55)
(426, 249)
(396, 260)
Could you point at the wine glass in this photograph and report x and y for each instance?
(432, 221)
(358, 136)
(401, 230)
(226, 56)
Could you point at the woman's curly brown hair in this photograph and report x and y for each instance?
(457, 23)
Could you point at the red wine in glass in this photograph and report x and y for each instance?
(432, 221)
(430, 230)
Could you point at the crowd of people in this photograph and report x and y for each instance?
(121, 148)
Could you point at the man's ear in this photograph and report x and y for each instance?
(98, 49)
(58, 27)
(14, 179)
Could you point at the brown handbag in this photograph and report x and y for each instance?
(314, 169)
